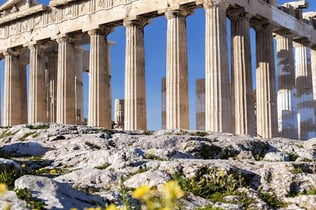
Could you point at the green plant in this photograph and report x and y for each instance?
(199, 133)
(297, 170)
(148, 133)
(292, 156)
(151, 156)
(36, 127)
(92, 146)
(208, 207)
(272, 200)
(7, 133)
(208, 183)
(24, 194)
(26, 135)
(8, 176)
(103, 166)
(125, 194)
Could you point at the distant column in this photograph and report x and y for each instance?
(287, 115)
(163, 103)
(242, 91)
(304, 92)
(79, 85)
(99, 87)
(15, 106)
(135, 94)
(65, 112)
(267, 124)
(119, 114)
(217, 87)
(37, 90)
(177, 100)
(313, 61)
(52, 62)
(200, 104)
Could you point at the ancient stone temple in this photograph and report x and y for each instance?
(49, 39)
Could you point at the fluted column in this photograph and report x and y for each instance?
(99, 81)
(52, 66)
(266, 87)
(217, 87)
(304, 92)
(163, 103)
(200, 104)
(242, 91)
(15, 106)
(65, 109)
(177, 100)
(287, 115)
(79, 85)
(313, 62)
(37, 91)
(135, 94)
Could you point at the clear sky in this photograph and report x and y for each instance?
(155, 61)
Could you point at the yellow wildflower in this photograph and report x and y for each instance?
(111, 207)
(141, 192)
(6, 206)
(53, 171)
(221, 173)
(171, 190)
(3, 188)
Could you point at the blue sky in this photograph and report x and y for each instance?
(155, 61)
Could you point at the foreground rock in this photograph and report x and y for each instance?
(74, 166)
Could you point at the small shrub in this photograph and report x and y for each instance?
(272, 200)
(92, 146)
(7, 133)
(8, 176)
(26, 135)
(153, 157)
(199, 133)
(37, 127)
(292, 156)
(297, 170)
(24, 194)
(103, 166)
(148, 133)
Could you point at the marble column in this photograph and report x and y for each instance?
(37, 90)
(99, 84)
(267, 125)
(119, 114)
(163, 103)
(65, 109)
(200, 104)
(217, 86)
(135, 88)
(177, 99)
(242, 91)
(15, 105)
(313, 63)
(79, 52)
(52, 62)
(287, 115)
(304, 92)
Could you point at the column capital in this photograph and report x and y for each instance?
(262, 25)
(100, 31)
(207, 4)
(238, 14)
(138, 21)
(302, 42)
(170, 14)
(13, 52)
(62, 39)
(283, 33)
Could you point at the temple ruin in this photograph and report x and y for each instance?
(49, 39)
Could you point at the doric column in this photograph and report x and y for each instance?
(99, 81)
(79, 85)
(287, 115)
(65, 112)
(304, 92)
(135, 94)
(177, 100)
(242, 91)
(52, 66)
(37, 91)
(313, 62)
(217, 87)
(163, 103)
(119, 114)
(15, 105)
(200, 104)
(266, 87)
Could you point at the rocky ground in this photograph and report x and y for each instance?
(62, 167)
